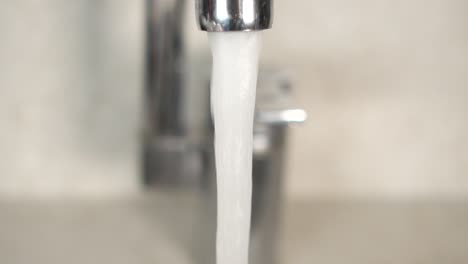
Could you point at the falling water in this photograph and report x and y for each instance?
(233, 86)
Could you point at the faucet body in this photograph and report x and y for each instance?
(178, 152)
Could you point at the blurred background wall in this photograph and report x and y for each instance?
(386, 86)
(70, 92)
(384, 83)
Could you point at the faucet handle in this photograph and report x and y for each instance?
(274, 103)
(275, 109)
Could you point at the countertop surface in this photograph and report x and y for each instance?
(381, 231)
(146, 230)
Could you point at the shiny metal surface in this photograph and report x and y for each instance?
(234, 15)
(165, 72)
(285, 116)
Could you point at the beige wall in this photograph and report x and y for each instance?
(386, 87)
(70, 92)
(384, 82)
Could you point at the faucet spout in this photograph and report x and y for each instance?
(234, 15)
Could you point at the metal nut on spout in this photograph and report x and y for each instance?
(234, 15)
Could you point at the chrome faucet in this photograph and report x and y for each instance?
(178, 152)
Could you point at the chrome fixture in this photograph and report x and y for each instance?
(234, 15)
